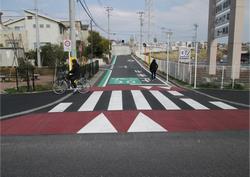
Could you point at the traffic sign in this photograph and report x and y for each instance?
(184, 55)
(67, 45)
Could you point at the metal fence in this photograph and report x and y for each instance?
(222, 79)
(185, 72)
(31, 78)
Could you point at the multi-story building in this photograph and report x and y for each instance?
(21, 33)
(50, 30)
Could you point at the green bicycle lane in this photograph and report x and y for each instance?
(125, 70)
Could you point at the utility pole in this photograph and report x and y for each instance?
(196, 54)
(169, 33)
(108, 9)
(149, 12)
(39, 64)
(72, 15)
(141, 25)
(91, 28)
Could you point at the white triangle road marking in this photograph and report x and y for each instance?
(99, 124)
(143, 123)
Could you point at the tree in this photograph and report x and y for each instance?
(100, 45)
(52, 54)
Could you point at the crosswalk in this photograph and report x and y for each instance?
(119, 100)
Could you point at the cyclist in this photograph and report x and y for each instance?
(74, 73)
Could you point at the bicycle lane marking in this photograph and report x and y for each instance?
(107, 75)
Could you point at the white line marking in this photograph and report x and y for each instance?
(115, 102)
(60, 107)
(91, 102)
(107, 79)
(167, 88)
(149, 72)
(99, 124)
(140, 101)
(143, 123)
(175, 93)
(194, 104)
(146, 87)
(222, 105)
(166, 102)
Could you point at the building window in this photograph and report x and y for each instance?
(29, 17)
(34, 25)
(17, 27)
(47, 25)
(41, 25)
(61, 30)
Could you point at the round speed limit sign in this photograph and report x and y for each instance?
(67, 45)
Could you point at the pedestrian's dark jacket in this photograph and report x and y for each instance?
(153, 66)
(75, 70)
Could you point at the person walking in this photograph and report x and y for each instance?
(153, 68)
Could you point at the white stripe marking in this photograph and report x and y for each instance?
(175, 93)
(167, 88)
(143, 123)
(115, 102)
(222, 105)
(194, 104)
(166, 102)
(91, 102)
(60, 107)
(99, 124)
(146, 87)
(140, 101)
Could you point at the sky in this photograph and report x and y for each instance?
(175, 15)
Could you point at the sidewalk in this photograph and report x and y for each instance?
(42, 80)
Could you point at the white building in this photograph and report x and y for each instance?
(50, 30)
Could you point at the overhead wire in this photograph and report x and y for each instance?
(87, 11)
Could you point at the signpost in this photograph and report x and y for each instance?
(67, 48)
(184, 55)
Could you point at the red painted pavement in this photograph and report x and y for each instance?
(173, 121)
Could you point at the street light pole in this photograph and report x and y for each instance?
(196, 55)
(108, 9)
(169, 33)
(141, 24)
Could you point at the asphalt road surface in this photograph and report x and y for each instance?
(129, 126)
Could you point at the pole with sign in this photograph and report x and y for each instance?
(67, 48)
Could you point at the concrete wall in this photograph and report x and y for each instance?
(120, 50)
(7, 57)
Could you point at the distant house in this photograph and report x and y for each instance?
(50, 30)
(21, 33)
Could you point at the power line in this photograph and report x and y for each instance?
(87, 11)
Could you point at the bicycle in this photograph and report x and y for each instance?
(62, 84)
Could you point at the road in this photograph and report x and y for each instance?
(129, 126)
